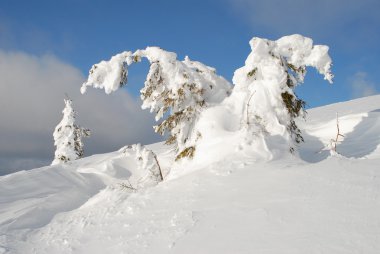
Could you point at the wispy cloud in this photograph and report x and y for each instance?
(308, 17)
(361, 85)
(31, 101)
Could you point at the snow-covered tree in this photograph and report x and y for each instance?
(267, 81)
(180, 88)
(68, 137)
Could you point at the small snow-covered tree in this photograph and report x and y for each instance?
(267, 81)
(180, 88)
(68, 137)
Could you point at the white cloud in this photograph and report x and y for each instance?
(361, 85)
(31, 101)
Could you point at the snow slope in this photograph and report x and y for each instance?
(316, 203)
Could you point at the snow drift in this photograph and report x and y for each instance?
(321, 203)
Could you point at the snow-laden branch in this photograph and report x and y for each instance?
(109, 75)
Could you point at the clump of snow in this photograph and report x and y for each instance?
(300, 51)
(110, 75)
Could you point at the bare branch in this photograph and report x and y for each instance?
(127, 185)
(335, 142)
(159, 167)
(249, 100)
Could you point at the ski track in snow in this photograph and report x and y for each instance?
(316, 204)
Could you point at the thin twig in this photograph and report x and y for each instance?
(127, 186)
(159, 168)
(338, 132)
(249, 100)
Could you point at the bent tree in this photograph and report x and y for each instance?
(272, 71)
(180, 88)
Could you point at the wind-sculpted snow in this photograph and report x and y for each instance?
(358, 123)
(234, 204)
(30, 199)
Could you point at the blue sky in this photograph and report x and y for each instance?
(83, 32)
(48, 37)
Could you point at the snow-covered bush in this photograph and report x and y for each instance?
(182, 89)
(149, 171)
(267, 81)
(68, 137)
(331, 146)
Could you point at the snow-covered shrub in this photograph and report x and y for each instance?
(68, 137)
(267, 81)
(334, 142)
(182, 89)
(148, 167)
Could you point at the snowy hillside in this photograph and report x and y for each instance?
(233, 203)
